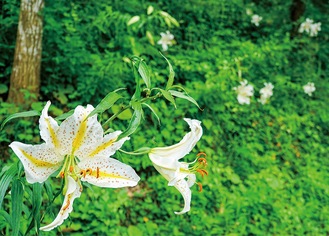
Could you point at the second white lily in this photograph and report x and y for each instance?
(179, 174)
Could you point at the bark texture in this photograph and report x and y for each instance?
(25, 76)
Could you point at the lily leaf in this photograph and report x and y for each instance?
(135, 120)
(19, 115)
(106, 103)
(17, 205)
(153, 111)
(64, 116)
(6, 177)
(171, 74)
(184, 96)
(142, 70)
(168, 96)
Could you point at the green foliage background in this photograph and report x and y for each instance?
(268, 164)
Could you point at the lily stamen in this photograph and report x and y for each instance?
(200, 186)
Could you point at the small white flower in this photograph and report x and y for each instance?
(310, 28)
(266, 92)
(255, 19)
(315, 28)
(244, 92)
(309, 88)
(166, 39)
(305, 26)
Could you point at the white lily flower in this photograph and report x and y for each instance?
(305, 26)
(178, 174)
(315, 28)
(309, 88)
(310, 28)
(244, 92)
(266, 92)
(79, 148)
(166, 39)
(256, 19)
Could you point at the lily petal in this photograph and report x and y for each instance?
(108, 147)
(39, 161)
(73, 191)
(183, 188)
(48, 127)
(108, 172)
(168, 156)
(79, 135)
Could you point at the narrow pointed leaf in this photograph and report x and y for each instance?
(64, 116)
(17, 202)
(144, 73)
(143, 70)
(19, 115)
(106, 103)
(134, 122)
(171, 74)
(153, 111)
(36, 205)
(184, 96)
(6, 177)
(168, 96)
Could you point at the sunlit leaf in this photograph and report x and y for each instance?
(106, 103)
(153, 111)
(168, 96)
(184, 96)
(171, 74)
(19, 115)
(135, 120)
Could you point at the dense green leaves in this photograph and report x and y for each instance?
(19, 115)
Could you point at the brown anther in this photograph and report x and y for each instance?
(200, 186)
(97, 173)
(89, 171)
(71, 169)
(61, 174)
(83, 173)
(202, 172)
(202, 161)
(201, 154)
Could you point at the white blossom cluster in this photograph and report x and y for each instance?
(245, 91)
(309, 27)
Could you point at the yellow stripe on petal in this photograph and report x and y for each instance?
(102, 174)
(52, 134)
(102, 147)
(78, 140)
(35, 161)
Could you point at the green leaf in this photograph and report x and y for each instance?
(7, 175)
(135, 120)
(168, 96)
(134, 231)
(36, 205)
(142, 70)
(17, 203)
(125, 115)
(144, 73)
(171, 73)
(153, 111)
(184, 96)
(3, 88)
(106, 103)
(64, 116)
(19, 115)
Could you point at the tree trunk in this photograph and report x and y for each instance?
(25, 76)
